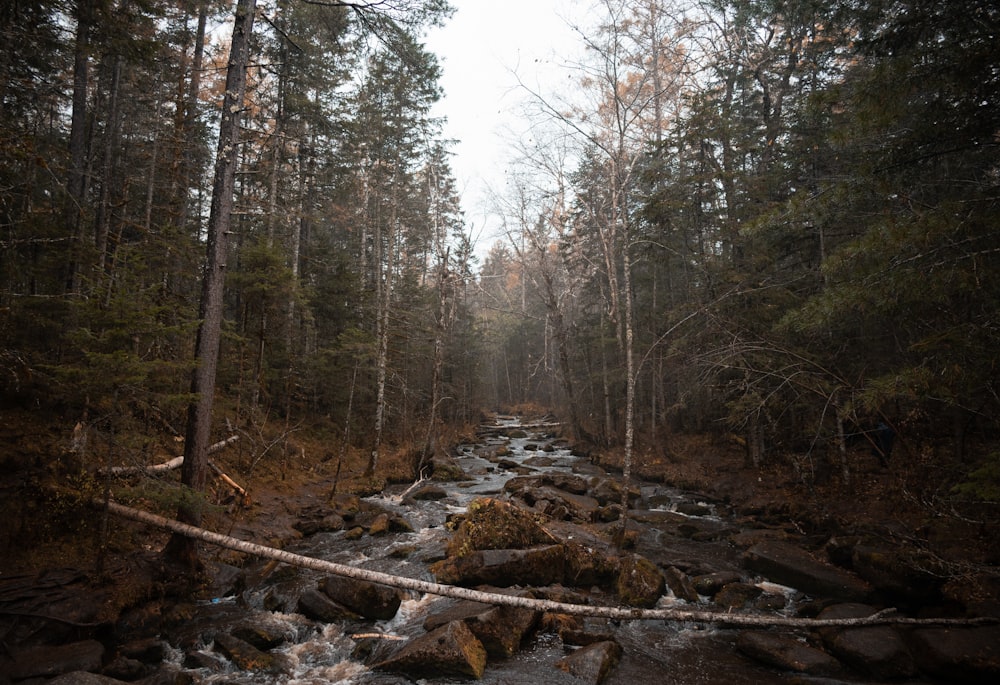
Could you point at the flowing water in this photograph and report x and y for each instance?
(315, 653)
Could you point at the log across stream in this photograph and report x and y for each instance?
(687, 637)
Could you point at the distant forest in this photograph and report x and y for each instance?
(772, 221)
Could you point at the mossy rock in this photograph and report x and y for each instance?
(640, 582)
(494, 524)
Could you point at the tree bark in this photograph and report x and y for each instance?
(195, 469)
(78, 141)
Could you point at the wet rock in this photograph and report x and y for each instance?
(227, 581)
(317, 606)
(449, 651)
(208, 660)
(901, 576)
(559, 504)
(83, 678)
(770, 601)
(680, 584)
(737, 595)
(379, 525)
(693, 509)
(966, 655)
(786, 653)
(260, 636)
(345, 505)
(148, 651)
(593, 663)
(657, 517)
(609, 491)
(504, 567)
(52, 660)
(244, 656)
(124, 668)
(502, 629)
(447, 469)
(539, 462)
(371, 600)
(429, 492)
(877, 651)
(640, 582)
(608, 514)
(787, 564)
(310, 525)
(708, 584)
(587, 566)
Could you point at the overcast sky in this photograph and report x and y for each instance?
(480, 48)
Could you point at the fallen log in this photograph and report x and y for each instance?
(170, 465)
(177, 462)
(884, 617)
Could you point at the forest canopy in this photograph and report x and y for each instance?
(775, 220)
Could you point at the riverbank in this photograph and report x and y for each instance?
(290, 498)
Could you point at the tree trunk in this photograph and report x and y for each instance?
(191, 116)
(78, 141)
(194, 472)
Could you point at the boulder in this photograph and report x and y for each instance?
(447, 469)
(260, 636)
(787, 564)
(371, 600)
(640, 582)
(504, 567)
(52, 660)
(317, 606)
(900, 576)
(449, 651)
(786, 653)
(245, 656)
(966, 655)
(124, 668)
(708, 584)
(593, 663)
(428, 492)
(877, 651)
(310, 525)
(345, 505)
(680, 584)
(559, 504)
(500, 629)
(587, 566)
(737, 595)
(147, 650)
(379, 525)
(494, 524)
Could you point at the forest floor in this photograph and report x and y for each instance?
(44, 486)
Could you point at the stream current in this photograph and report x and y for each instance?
(317, 653)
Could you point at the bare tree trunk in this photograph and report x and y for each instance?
(78, 140)
(382, 354)
(195, 470)
(191, 114)
(102, 221)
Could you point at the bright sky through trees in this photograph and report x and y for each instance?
(483, 49)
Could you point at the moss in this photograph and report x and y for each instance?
(494, 524)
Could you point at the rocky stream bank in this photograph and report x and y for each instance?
(691, 590)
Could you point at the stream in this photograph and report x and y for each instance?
(652, 650)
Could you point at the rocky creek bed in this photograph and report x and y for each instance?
(519, 514)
